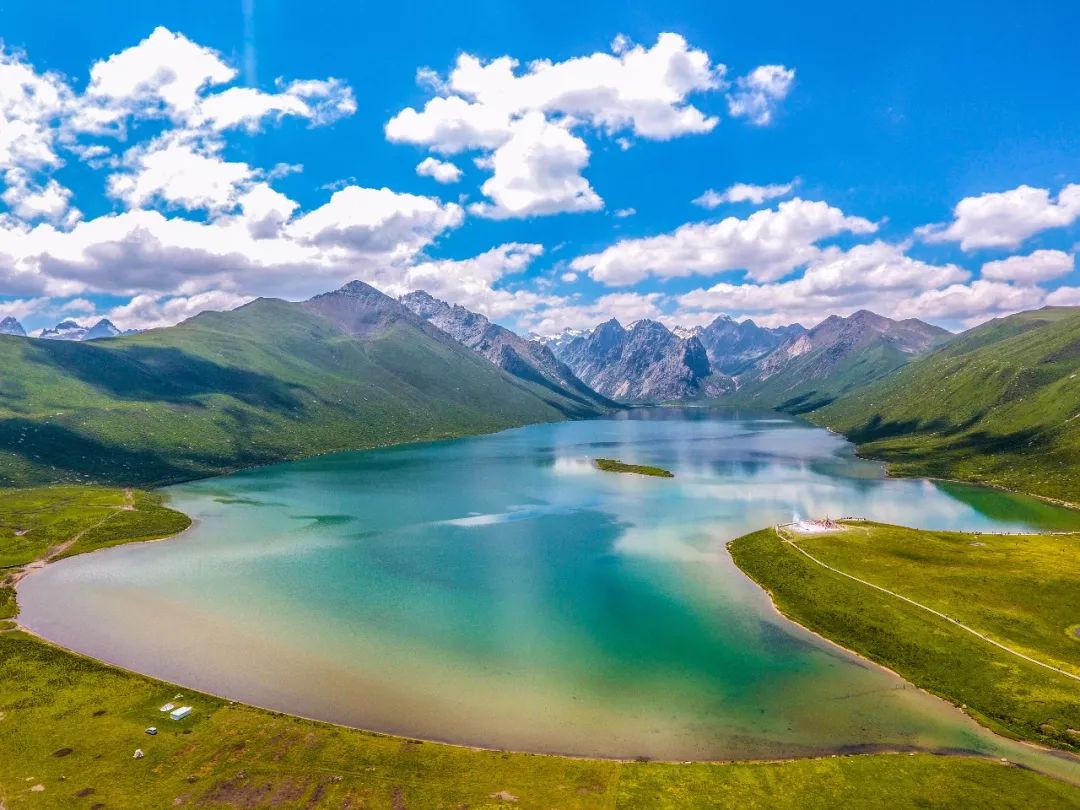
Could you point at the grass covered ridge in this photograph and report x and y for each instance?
(69, 727)
(613, 465)
(267, 382)
(1018, 590)
(997, 405)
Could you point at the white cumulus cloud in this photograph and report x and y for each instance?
(744, 192)
(757, 95)
(524, 121)
(1042, 265)
(1006, 218)
(768, 245)
(442, 171)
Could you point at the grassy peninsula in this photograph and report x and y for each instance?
(1019, 590)
(613, 465)
(70, 726)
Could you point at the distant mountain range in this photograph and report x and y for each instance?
(67, 330)
(740, 363)
(811, 368)
(645, 363)
(733, 346)
(528, 359)
(354, 368)
(10, 326)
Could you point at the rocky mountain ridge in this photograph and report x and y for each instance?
(813, 367)
(528, 359)
(645, 363)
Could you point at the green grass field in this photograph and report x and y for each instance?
(1019, 590)
(69, 727)
(613, 465)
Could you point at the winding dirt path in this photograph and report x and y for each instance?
(786, 538)
(53, 552)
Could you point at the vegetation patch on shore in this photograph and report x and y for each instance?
(614, 465)
(71, 725)
(1019, 590)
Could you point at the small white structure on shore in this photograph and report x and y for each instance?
(815, 526)
(181, 713)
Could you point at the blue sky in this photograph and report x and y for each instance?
(926, 162)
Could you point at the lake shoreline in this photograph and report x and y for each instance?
(830, 752)
(975, 716)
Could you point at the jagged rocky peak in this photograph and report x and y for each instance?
(72, 330)
(360, 310)
(65, 330)
(102, 329)
(461, 324)
(910, 336)
(424, 304)
(734, 346)
(685, 332)
(10, 326)
(645, 363)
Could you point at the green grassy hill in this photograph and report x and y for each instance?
(838, 355)
(998, 405)
(272, 380)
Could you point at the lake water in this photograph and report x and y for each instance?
(500, 591)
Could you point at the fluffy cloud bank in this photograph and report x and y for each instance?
(1007, 218)
(247, 238)
(526, 123)
(877, 276)
(194, 225)
(768, 245)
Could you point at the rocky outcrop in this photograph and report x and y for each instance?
(646, 363)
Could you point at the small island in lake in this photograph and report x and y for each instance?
(614, 465)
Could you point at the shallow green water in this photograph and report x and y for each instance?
(501, 591)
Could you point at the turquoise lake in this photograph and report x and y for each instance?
(500, 591)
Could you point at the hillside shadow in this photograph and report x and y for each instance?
(876, 429)
(804, 403)
(163, 374)
(73, 455)
(1027, 441)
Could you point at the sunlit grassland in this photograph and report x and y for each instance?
(1022, 591)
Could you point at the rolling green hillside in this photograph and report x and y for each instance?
(998, 405)
(269, 381)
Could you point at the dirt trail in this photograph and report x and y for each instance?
(55, 551)
(784, 536)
